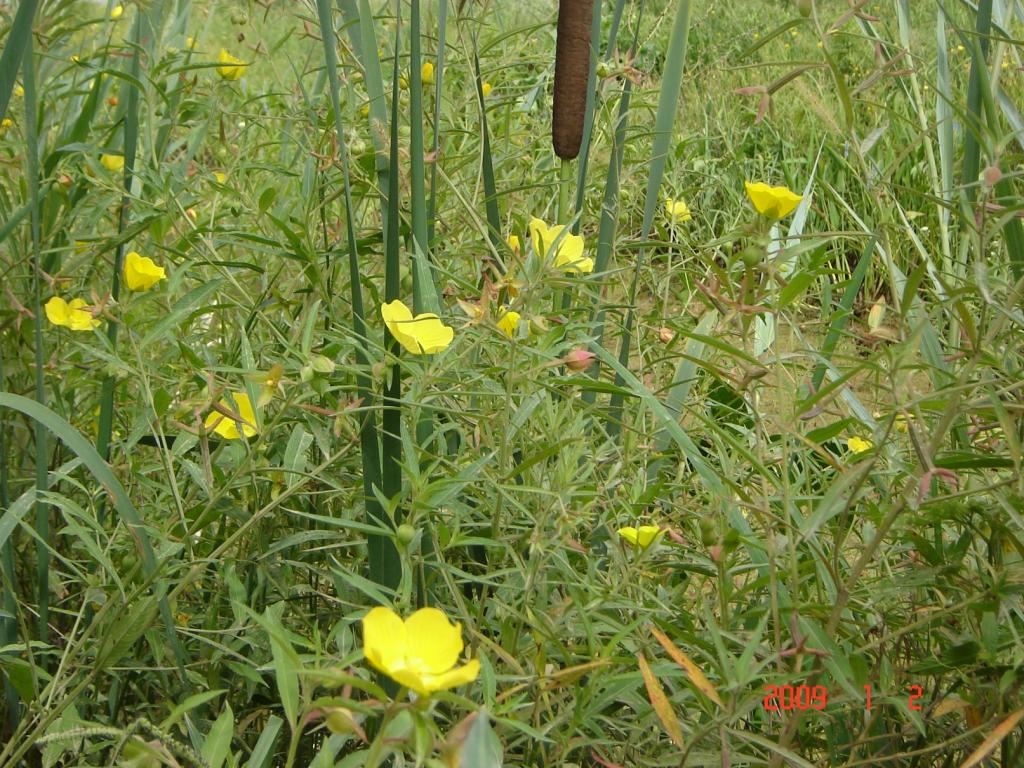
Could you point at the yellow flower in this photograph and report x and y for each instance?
(641, 537)
(116, 12)
(419, 653)
(773, 202)
(677, 211)
(230, 68)
(5, 124)
(513, 243)
(70, 314)
(859, 445)
(19, 91)
(220, 176)
(140, 272)
(427, 73)
(420, 335)
(486, 89)
(113, 163)
(364, 111)
(508, 322)
(190, 42)
(568, 254)
(227, 427)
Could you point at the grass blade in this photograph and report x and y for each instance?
(50, 422)
(42, 452)
(131, 139)
(368, 441)
(14, 51)
(668, 101)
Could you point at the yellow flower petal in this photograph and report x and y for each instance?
(141, 273)
(567, 254)
(540, 237)
(641, 537)
(859, 445)
(384, 639)
(420, 335)
(508, 323)
(116, 12)
(70, 314)
(629, 534)
(227, 427)
(677, 212)
(419, 653)
(467, 673)
(427, 73)
(57, 311)
(486, 88)
(772, 202)
(433, 642)
(113, 163)
(80, 319)
(231, 68)
(220, 176)
(513, 243)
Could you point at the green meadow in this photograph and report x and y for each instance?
(345, 422)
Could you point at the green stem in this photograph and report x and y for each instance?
(564, 177)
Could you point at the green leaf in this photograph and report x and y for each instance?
(193, 701)
(263, 752)
(481, 748)
(183, 307)
(217, 745)
(286, 663)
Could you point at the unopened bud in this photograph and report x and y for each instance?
(579, 359)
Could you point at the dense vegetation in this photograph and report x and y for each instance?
(703, 448)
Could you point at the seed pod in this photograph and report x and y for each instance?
(572, 67)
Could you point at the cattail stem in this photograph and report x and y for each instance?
(572, 65)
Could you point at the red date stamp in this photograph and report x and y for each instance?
(786, 698)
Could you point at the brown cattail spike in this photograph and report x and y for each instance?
(572, 68)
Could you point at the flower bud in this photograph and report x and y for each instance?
(579, 359)
(406, 533)
(804, 7)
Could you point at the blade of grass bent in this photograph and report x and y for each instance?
(442, 21)
(385, 564)
(73, 439)
(490, 188)
(8, 624)
(588, 115)
(972, 129)
(131, 138)
(417, 191)
(14, 51)
(42, 512)
(368, 440)
(668, 101)
(609, 217)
